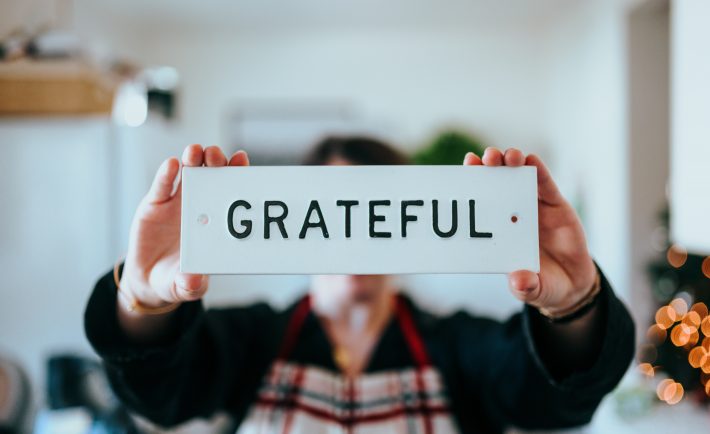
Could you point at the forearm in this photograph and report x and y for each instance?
(571, 346)
(143, 328)
(148, 357)
(142, 322)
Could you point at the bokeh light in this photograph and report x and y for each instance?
(680, 335)
(706, 267)
(680, 306)
(697, 357)
(705, 326)
(701, 309)
(656, 334)
(646, 369)
(691, 319)
(677, 256)
(665, 317)
(647, 353)
(677, 394)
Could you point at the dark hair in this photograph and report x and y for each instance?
(358, 150)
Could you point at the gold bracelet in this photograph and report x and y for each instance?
(577, 307)
(133, 305)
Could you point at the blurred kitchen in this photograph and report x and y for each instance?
(612, 94)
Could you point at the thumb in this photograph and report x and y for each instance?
(162, 187)
(525, 285)
(189, 287)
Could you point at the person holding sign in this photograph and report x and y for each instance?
(354, 354)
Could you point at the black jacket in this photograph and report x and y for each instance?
(216, 358)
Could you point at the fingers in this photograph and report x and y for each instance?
(240, 158)
(492, 157)
(472, 159)
(525, 285)
(162, 187)
(546, 188)
(193, 156)
(513, 157)
(214, 157)
(189, 287)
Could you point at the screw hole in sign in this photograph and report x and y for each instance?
(203, 219)
(514, 218)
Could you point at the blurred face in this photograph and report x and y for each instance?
(334, 292)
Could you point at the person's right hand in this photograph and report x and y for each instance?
(151, 273)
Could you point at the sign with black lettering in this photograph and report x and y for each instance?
(359, 220)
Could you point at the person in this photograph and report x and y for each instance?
(354, 354)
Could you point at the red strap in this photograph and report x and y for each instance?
(411, 334)
(294, 327)
(404, 316)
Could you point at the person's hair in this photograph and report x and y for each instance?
(358, 150)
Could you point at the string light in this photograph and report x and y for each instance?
(684, 327)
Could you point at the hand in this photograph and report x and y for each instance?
(567, 271)
(151, 272)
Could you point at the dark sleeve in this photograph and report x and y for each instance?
(209, 362)
(501, 363)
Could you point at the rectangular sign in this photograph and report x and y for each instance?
(359, 220)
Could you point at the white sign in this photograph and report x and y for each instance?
(359, 220)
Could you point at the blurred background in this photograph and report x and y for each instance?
(94, 94)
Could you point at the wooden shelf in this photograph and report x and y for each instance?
(54, 87)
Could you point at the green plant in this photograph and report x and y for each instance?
(449, 147)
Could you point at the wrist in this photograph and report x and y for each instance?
(135, 301)
(578, 308)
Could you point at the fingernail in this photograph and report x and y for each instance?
(527, 290)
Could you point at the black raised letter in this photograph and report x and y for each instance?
(378, 218)
(314, 206)
(406, 217)
(454, 219)
(279, 220)
(472, 222)
(347, 204)
(230, 220)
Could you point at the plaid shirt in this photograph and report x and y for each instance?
(298, 398)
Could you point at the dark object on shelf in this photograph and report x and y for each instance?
(78, 382)
(54, 44)
(162, 102)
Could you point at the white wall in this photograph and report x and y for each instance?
(484, 79)
(54, 233)
(585, 125)
(690, 177)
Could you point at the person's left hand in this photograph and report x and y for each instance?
(567, 271)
